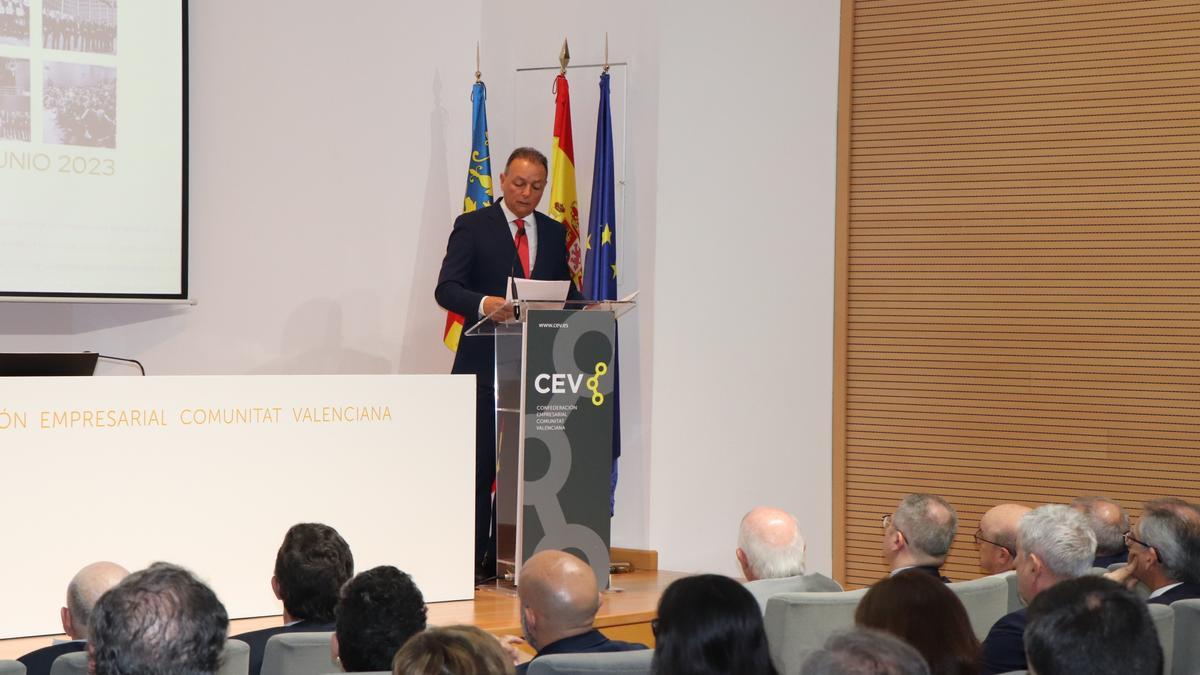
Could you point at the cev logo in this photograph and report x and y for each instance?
(559, 383)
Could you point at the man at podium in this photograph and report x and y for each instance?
(486, 247)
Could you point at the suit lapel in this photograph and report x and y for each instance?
(503, 239)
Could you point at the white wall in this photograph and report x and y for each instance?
(327, 160)
(743, 335)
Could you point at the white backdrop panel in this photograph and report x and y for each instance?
(217, 498)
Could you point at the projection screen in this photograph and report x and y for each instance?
(93, 149)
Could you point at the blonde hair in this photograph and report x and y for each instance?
(452, 650)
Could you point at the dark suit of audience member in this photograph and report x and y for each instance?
(590, 642)
(39, 662)
(1183, 591)
(1111, 559)
(312, 564)
(1164, 551)
(1004, 648)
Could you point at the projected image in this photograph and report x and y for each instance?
(14, 22)
(80, 25)
(14, 99)
(80, 105)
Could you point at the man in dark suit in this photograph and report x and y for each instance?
(559, 601)
(312, 564)
(1164, 552)
(85, 589)
(918, 535)
(486, 247)
(1054, 544)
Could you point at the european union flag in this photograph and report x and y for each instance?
(600, 261)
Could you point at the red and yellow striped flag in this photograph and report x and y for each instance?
(564, 205)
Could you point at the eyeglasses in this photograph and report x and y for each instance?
(887, 522)
(979, 538)
(1129, 537)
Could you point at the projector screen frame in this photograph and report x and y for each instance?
(185, 141)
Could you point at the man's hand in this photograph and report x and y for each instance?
(1124, 575)
(497, 308)
(511, 644)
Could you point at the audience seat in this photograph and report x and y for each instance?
(619, 663)
(1187, 637)
(70, 664)
(298, 654)
(235, 658)
(799, 623)
(12, 668)
(1014, 598)
(1164, 623)
(985, 599)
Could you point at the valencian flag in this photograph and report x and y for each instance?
(564, 205)
(479, 189)
(600, 270)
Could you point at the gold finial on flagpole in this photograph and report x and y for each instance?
(564, 57)
(606, 51)
(478, 73)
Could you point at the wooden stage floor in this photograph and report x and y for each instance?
(625, 614)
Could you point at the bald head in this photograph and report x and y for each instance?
(998, 537)
(559, 597)
(770, 545)
(85, 589)
(1107, 519)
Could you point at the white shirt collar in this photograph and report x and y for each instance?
(1164, 589)
(510, 216)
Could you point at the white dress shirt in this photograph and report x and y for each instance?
(530, 235)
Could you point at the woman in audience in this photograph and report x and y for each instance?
(453, 650)
(920, 610)
(709, 625)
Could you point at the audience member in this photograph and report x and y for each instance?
(1054, 543)
(865, 652)
(922, 611)
(997, 537)
(1110, 523)
(453, 650)
(919, 534)
(559, 601)
(311, 566)
(14, 125)
(709, 625)
(85, 589)
(14, 21)
(159, 621)
(1164, 552)
(1091, 626)
(377, 612)
(771, 554)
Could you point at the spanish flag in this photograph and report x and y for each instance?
(479, 189)
(564, 206)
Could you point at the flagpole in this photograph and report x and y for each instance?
(478, 72)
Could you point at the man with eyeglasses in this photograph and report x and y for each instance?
(997, 537)
(918, 535)
(1109, 521)
(1164, 552)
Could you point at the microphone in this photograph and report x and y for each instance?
(512, 266)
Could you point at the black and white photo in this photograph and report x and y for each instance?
(80, 105)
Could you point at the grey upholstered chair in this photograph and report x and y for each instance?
(617, 663)
(1187, 637)
(1164, 623)
(12, 668)
(74, 663)
(235, 658)
(799, 623)
(986, 600)
(1014, 598)
(298, 654)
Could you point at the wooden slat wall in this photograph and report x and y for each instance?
(1019, 259)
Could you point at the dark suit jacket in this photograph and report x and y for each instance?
(257, 639)
(590, 642)
(1184, 591)
(1106, 560)
(38, 662)
(479, 260)
(1004, 647)
(932, 570)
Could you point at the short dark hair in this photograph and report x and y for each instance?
(708, 625)
(159, 620)
(378, 611)
(943, 636)
(530, 155)
(864, 651)
(1091, 626)
(311, 566)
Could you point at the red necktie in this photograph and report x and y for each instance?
(522, 243)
